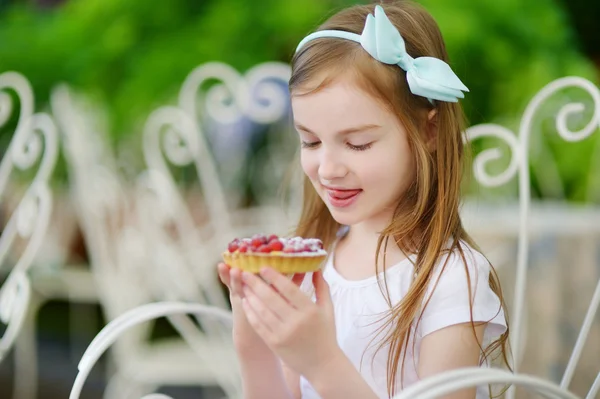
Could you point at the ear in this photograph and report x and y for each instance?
(431, 130)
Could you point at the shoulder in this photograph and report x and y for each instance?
(462, 260)
(459, 291)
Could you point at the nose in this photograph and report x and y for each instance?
(331, 166)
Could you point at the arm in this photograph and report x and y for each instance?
(340, 379)
(292, 380)
(261, 371)
(263, 376)
(462, 294)
(451, 348)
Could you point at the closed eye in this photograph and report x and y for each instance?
(359, 147)
(310, 144)
(314, 144)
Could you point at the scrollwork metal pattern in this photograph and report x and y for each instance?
(34, 142)
(519, 162)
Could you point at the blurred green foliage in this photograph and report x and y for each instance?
(507, 50)
(132, 55)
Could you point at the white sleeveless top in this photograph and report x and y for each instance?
(359, 305)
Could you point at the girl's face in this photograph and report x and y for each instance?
(354, 151)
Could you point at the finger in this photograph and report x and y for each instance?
(267, 295)
(223, 271)
(321, 288)
(285, 287)
(261, 329)
(236, 282)
(298, 278)
(262, 310)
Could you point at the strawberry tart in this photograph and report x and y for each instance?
(286, 255)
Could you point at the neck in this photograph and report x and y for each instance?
(372, 228)
(363, 238)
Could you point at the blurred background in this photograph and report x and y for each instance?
(173, 134)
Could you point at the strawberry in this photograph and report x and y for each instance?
(243, 248)
(288, 250)
(275, 245)
(256, 242)
(264, 249)
(233, 245)
(273, 237)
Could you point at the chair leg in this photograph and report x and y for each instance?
(26, 366)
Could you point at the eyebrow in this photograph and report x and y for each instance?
(351, 130)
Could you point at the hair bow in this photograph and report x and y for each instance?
(428, 77)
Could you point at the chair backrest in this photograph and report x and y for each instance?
(180, 256)
(134, 257)
(175, 136)
(104, 211)
(519, 145)
(33, 149)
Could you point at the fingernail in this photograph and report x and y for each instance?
(245, 276)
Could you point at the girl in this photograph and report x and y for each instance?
(404, 294)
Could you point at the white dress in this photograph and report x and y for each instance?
(359, 305)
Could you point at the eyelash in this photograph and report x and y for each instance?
(363, 147)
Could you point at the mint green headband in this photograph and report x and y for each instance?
(428, 77)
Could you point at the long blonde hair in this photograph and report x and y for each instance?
(427, 216)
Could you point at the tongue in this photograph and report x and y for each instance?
(345, 194)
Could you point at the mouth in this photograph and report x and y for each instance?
(341, 198)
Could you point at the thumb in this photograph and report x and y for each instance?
(321, 289)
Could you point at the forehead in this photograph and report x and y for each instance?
(340, 104)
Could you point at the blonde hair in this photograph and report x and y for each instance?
(427, 216)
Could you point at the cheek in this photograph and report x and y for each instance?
(390, 168)
(310, 164)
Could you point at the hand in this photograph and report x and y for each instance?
(244, 336)
(300, 332)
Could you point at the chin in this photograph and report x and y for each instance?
(347, 217)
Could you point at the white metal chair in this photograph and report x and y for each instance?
(447, 383)
(115, 329)
(123, 275)
(33, 148)
(173, 136)
(259, 96)
(181, 268)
